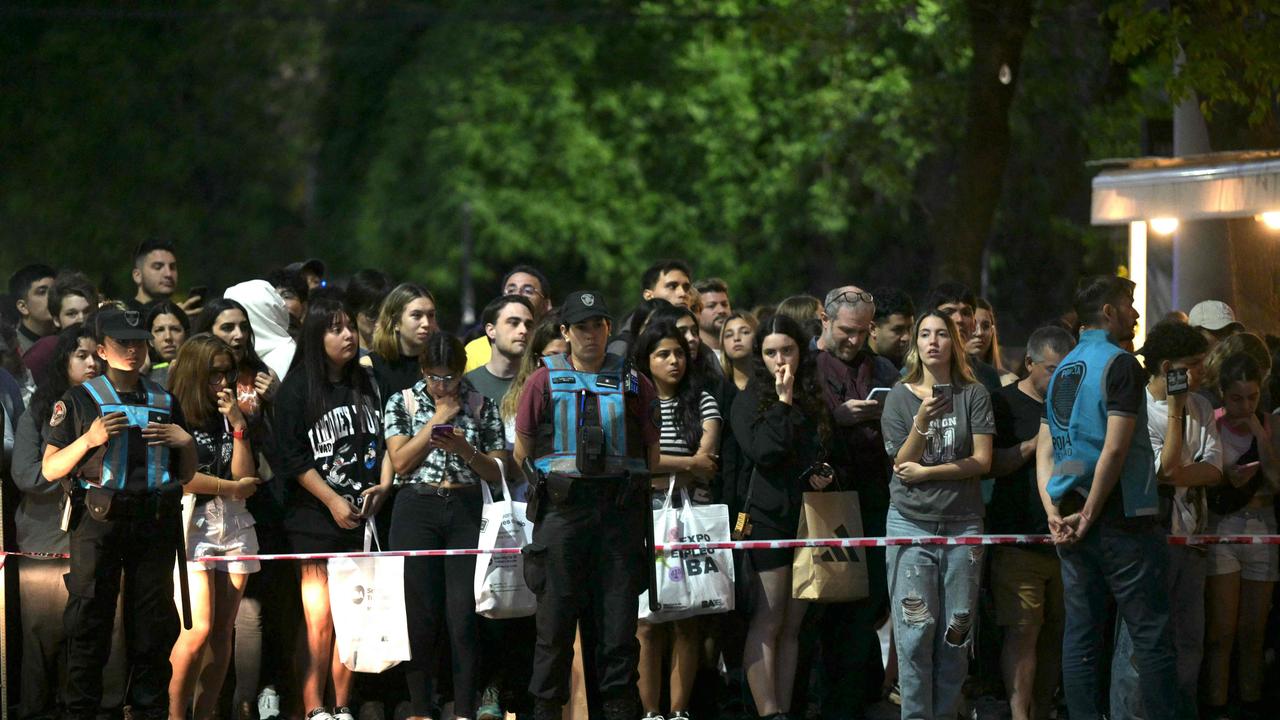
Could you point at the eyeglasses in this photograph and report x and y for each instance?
(220, 378)
(526, 290)
(440, 378)
(854, 295)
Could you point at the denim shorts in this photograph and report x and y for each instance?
(222, 526)
(1260, 563)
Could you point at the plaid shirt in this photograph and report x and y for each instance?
(479, 421)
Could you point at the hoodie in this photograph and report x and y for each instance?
(270, 322)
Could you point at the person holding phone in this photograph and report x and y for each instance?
(1188, 460)
(938, 430)
(781, 424)
(443, 438)
(202, 378)
(328, 437)
(1241, 577)
(850, 374)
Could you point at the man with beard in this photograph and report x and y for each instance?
(891, 327)
(848, 371)
(715, 310)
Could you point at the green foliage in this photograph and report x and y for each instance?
(737, 133)
(1225, 49)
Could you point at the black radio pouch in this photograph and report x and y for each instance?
(97, 500)
(591, 446)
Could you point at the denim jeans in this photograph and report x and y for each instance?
(1131, 563)
(926, 583)
(1186, 595)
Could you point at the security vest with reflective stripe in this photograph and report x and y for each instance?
(1076, 406)
(556, 443)
(114, 458)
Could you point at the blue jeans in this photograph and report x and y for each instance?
(1186, 593)
(1131, 564)
(927, 582)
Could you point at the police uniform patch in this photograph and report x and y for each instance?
(59, 414)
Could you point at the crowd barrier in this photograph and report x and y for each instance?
(862, 542)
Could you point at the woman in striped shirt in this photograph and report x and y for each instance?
(690, 434)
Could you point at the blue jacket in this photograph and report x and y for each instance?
(1077, 416)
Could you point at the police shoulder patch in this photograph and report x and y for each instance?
(59, 414)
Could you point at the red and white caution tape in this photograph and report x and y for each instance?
(732, 545)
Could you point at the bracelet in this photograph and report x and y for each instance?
(217, 489)
(475, 452)
(919, 432)
(237, 434)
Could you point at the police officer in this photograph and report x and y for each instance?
(120, 442)
(588, 424)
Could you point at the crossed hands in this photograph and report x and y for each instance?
(1070, 529)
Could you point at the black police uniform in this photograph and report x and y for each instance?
(125, 519)
(588, 556)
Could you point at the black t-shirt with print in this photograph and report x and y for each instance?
(344, 446)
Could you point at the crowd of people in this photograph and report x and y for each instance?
(302, 412)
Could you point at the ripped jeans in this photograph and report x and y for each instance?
(929, 583)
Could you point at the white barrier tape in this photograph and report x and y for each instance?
(731, 545)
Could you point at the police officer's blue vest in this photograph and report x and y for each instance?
(115, 459)
(570, 390)
(1077, 412)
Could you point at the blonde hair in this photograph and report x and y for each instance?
(992, 356)
(386, 342)
(1244, 342)
(725, 361)
(913, 368)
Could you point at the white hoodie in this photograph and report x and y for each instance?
(270, 322)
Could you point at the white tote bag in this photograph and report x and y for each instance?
(500, 588)
(690, 582)
(366, 598)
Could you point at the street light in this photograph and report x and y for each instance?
(1271, 219)
(1163, 225)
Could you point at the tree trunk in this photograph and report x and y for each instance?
(997, 30)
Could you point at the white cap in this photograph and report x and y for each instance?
(1212, 315)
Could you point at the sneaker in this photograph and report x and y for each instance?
(343, 713)
(895, 694)
(654, 716)
(678, 715)
(489, 708)
(319, 714)
(268, 703)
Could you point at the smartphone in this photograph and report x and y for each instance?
(442, 430)
(198, 291)
(945, 392)
(878, 394)
(1176, 381)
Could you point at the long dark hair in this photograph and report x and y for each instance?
(688, 397)
(807, 393)
(702, 368)
(57, 382)
(209, 317)
(321, 314)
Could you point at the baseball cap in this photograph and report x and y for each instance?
(315, 266)
(120, 324)
(1212, 315)
(583, 305)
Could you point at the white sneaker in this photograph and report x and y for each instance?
(268, 703)
(343, 713)
(319, 714)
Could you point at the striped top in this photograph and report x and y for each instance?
(671, 438)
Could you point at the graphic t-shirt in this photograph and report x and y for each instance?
(343, 445)
(950, 438)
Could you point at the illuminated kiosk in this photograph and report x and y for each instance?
(1234, 256)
